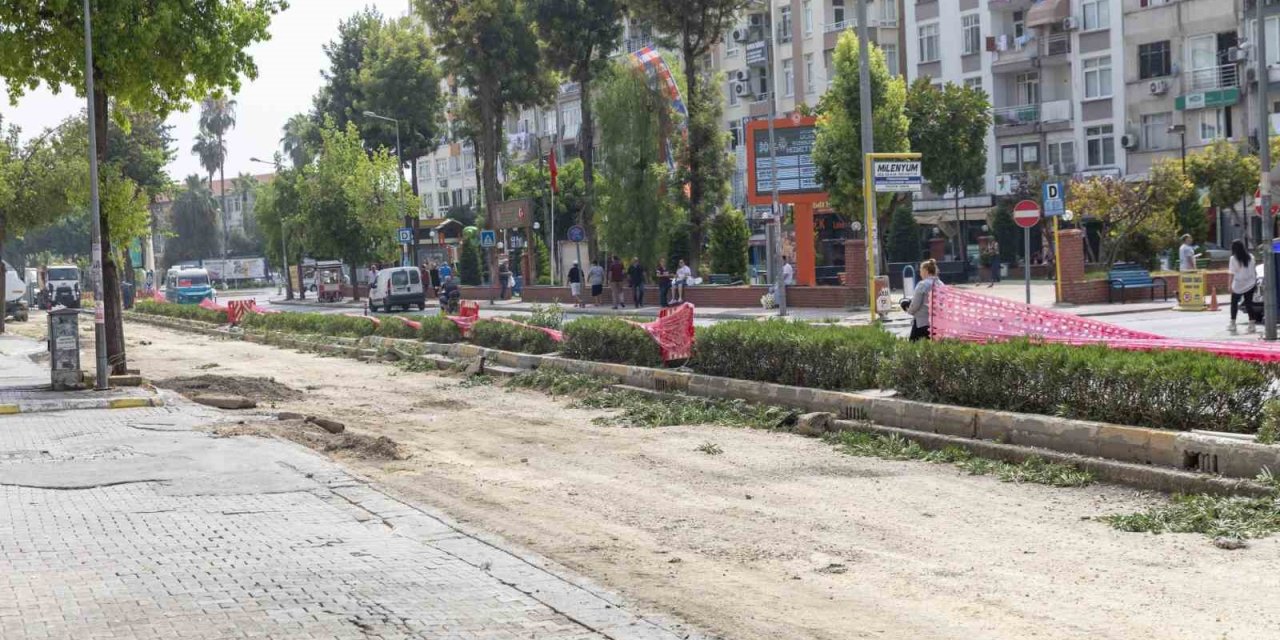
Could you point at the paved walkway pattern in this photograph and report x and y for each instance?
(133, 523)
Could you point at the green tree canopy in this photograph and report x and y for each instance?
(1138, 218)
(904, 236)
(728, 244)
(1229, 176)
(194, 224)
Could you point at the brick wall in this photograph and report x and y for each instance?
(1077, 290)
(855, 271)
(735, 297)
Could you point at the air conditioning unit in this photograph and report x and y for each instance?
(1070, 23)
(742, 75)
(1129, 141)
(742, 89)
(1158, 87)
(1236, 54)
(741, 35)
(755, 21)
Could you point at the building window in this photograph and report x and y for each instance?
(1009, 158)
(1215, 124)
(1155, 131)
(730, 45)
(1154, 60)
(1097, 14)
(471, 196)
(837, 11)
(808, 17)
(1019, 24)
(971, 34)
(784, 25)
(1097, 77)
(1027, 86)
(891, 59)
(764, 84)
(733, 95)
(788, 78)
(455, 164)
(1100, 145)
(1062, 154)
(826, 66)
(1030, 156)
(424, 168)
(442, 167)
(888, 13)
(1019, 158)
(973, 83)
(735, 134)
(929, 43)
(471, 161)
(443, 198)
(809, 81)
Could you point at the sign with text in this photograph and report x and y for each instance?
(897, 176)
(1191, 291)
(757, 54)
(1054, 202)
(514, 214)
(792, 151)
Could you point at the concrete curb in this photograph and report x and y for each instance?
(1151, 458)
(78, 404)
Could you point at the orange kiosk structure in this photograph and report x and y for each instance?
(797, 180)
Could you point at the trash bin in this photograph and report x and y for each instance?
(126, 292)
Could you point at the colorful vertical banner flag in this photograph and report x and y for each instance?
(555, 173)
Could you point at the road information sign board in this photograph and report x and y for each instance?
(1026, 213)
(405, 234)
(1054, 202)
(1191, 291)
(757, 54)
(488, 238)
(514, 214)
(797, 172)
(897, 176)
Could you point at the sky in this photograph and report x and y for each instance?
(289, 66)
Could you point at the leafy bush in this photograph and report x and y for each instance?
(510, 337)
(1179, 390)
(440, 329)
(793, 353)
(182, 311)
(395, 327)
(550, 316)
(610, 340)
(312, 323)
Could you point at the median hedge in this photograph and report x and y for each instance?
(1178, 390)
(793, 353)
(183, 311)
(439, 329)
(610, 340)
(511, 337)
(395, 327)
(314, 323)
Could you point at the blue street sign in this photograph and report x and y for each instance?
(577, 233)
(1054, 201)
(488, 238)
(405, 234)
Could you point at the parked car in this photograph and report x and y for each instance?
(15, 295)
(63, 285)
(397, 287)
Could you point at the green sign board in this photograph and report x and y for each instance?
(1208, 99)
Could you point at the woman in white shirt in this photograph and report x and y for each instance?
(683, 275)
(1244, 279)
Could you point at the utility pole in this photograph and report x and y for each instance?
(868, 141)
(774, 230)
(410, 257)
(101, 380)
(1264, 180)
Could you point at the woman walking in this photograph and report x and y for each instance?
(1244, 280)
(919, 307)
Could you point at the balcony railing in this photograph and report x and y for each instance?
(1016, 115)
(1223, 77)
(852, 23)
(1055, 44)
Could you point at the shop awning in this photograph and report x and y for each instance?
(1048, 12)
(944, 217)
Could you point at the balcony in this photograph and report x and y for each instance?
(838, 27)
(1223, 77)
(1015, 116)
(1055, 44)
(1016, 120)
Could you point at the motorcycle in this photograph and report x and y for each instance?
(450, 300)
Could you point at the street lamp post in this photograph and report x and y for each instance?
(410, 250)
(100, 381)
(284, 246)
(1181, 130)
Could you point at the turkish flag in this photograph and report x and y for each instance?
(555, 173)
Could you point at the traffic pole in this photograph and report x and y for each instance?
(1264, 180)
(1057, 261)
(1026, 260)
(101, 380)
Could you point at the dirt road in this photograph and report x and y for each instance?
(779, 536)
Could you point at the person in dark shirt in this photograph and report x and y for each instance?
(575, 284)
(635, 277)
(616, 277)
(664, 283)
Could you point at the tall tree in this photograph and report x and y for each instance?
(150, 56)
(277, 215)
(729, 238)
(1229, 176)
(578, 37)
(299, 139)
(490, 47)
(949, 126)
(217, 117)
(1138, 218)
(210, 152)
(697, 26)
(904, 236)
(838, 149)
(195, 224)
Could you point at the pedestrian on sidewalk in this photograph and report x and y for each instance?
(1187, 255)
(635, 277)
(434, 274)
(993, 262)
(919, 307)
(575, 284)
(683, 275)
(1244, 281)
(616, 277)
(595, 278)
(664, 283)
(788, 272)
(504, 280)
(446, 272)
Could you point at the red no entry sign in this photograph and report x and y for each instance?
(1026, 213)
(1257, 207)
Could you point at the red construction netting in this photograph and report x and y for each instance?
(673, 331)
(469, 312)
(211, 305)
(963, 315)
(554, 335)
(237, 308)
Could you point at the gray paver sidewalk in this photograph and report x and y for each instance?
(133, 524)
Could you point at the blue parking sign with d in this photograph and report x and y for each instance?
(405, 234)
(1054, 203)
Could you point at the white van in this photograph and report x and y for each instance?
(15, 295)
(397, 287)
(63, 285)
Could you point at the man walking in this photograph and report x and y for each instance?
(575, 284)
(504, 278)
(596, 279)
(635, 274)
(1187, 254)
(616, 277)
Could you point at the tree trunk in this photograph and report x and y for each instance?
(696, 142)
(222, 193)
(302, 285)
(355, 282)
(491, 132)
(113, 309)
(586, 151)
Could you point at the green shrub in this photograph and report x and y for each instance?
(395, 327)
(510, 337)
(440, 329)
(1179, 390)
(311, 323)
(550, 316)
(610, 340)
(793, 353)
(183, 311)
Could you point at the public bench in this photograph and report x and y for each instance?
(1127, 276)
(721, 278)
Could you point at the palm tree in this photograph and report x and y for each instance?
(295, 142)
(212, 153)
(217, 117)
